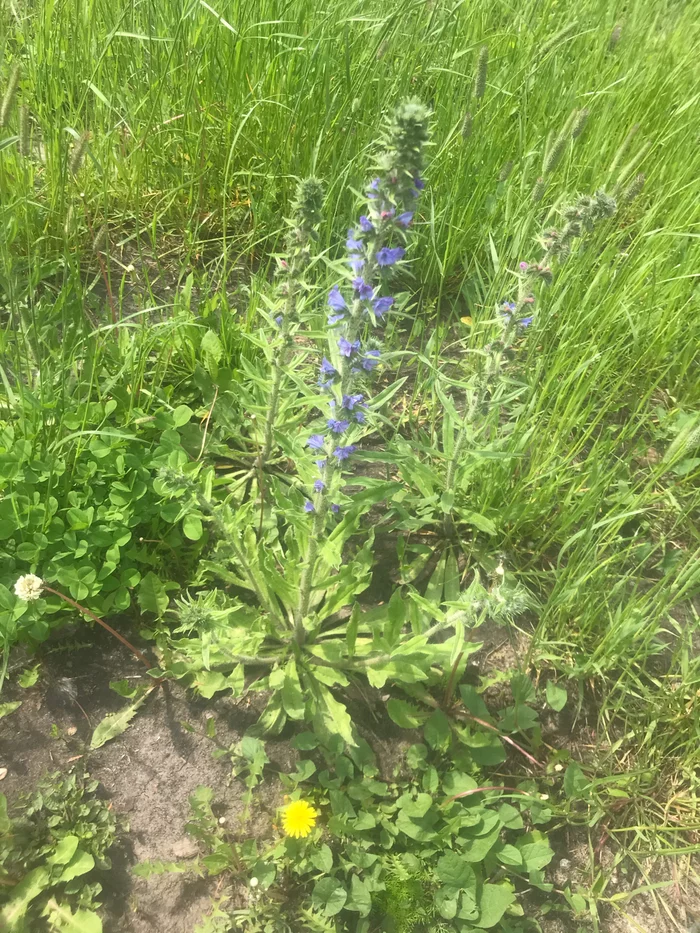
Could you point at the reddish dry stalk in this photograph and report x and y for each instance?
(135, 651)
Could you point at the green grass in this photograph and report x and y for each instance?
(201, 117)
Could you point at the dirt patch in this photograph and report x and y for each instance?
(148, 773)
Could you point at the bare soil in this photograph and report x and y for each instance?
(149, 772)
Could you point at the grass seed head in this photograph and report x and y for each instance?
(615, 37)
(555, 154)
(538, 190)
(482, 67)
(23, 132)
(467, 125)
(78, 153)
(9, 96)
(634, 189)
(580, 123)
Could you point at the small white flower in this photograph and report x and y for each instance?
(29, 587)
(253, 882)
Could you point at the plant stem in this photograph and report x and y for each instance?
(71, 602)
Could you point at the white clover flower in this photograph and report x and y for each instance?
(29, 587)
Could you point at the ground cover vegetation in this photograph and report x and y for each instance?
(337, 344)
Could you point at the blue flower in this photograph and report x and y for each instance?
(419, 183)
(309, 506)
(373, 188)
(366, 224)
(350, 402)
(336, 300)
(353, 245)
(328, 369)
(381, 305)
(387, 256)
(508, 306)
(525, 322)
(334, 318)
(319, 485)
(360, 417)
(321, 464)
(356, 264)
(279, 319)
(405, 218)
(316, 442)
(335, 508)
(346, 348)
(338, 426)
(342, 453)
(364, 291)
(371, 360)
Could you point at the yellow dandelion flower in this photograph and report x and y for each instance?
(298, 819)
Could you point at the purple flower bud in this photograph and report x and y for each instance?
(326, 386)
(381, 305)
(335, 508)
(366, 224)
(524, 266)
(350, 402)
(364, 291)
(279, 320)
(342, 453)
(338, 426)
(525, 322)
(316, 442)
(336, 300)
(353, 245)
(405, 218)
(373, 188)
(360, 417)
(356, 263)
(387, 256)
(321, 464)
(386, 214)
(327, 369)
(419, 183)
(346, 348)
(309, 506)
(371, 360)
(319, 485)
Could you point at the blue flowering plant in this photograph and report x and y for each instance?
(295, 557)
(475, 421)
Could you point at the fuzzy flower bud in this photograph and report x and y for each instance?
(308, 204)
(615, 37)
(506, 169)
(78, 153)
(538, 190)
(23, 131)
(29, 587)
(404, 141)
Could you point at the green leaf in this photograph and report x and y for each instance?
(405, 715)
(556, 696)
(447, 500)
(182, 415)
(80, 864)
(28, 677)
(509, 855)
(575, 781)
(478, 521)
(152, 596)
(23, 894)
(192, 526)
(446, 902)
(212, 351)
(453, 870)
(65, 850)
(329, 896)
(437, 731)
(477, 848)
(322, 859)
(360, 899)
(7, 708)
(535, 850)
(63, 920)
(494, 901)
(116, 723)
(292, 695)
(331, 717)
